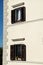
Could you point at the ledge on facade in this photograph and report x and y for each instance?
(18, 23)
(18, 39)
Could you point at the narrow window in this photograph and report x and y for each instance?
(18, 15)
(18, 52)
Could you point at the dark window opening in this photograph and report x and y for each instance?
(18, 52)
(18, 15)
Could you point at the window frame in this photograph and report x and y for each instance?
(21, 52)
(23, 15)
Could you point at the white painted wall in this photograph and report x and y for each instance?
(34, 9)
(32, 31)
(33, 34)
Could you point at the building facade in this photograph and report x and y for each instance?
(23, 32)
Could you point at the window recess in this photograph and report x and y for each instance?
(18, 52)
(18, 15)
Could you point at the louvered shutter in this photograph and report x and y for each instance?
(23, 14)
(24, 52)
(12, 54)
(13, 16)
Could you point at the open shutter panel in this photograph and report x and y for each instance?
(13, 16)
(12, 54)
(23, 10)
(24, 52)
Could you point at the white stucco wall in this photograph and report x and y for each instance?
(31, 30)
(34, 9)
(33, 34)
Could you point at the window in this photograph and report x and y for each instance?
(18, 15)
(18, 52)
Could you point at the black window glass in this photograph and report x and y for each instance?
(18, 52)
(18, 15)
